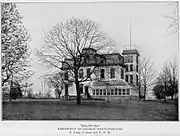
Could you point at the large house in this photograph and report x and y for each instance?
(109, 76)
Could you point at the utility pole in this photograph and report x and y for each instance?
(130, 35)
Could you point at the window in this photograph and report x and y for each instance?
(93, 91)
(104, 91)
(137, 80)
(119, 91)
(128, 59)
(66, 75)
(97, 91)
(131, 67)
(131, 79)
(137, 59)
(112, 71)
(126, 68)
(102, 73)
(88, 70)
(128, 91)
(115, 91)
(100, 92)
(124, 92)
(136, 68)
(112, 91)
(81, 73)
(86, 90)
(127, 78)
(122, 73)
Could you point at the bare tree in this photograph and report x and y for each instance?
(163, 79)
(57, 82)
(168, 79)
(172, 16)
(173, 79)
(68, 40)
(48, 94)
(146, 75)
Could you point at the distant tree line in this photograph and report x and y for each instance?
(167, 82)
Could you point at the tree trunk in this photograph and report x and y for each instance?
(78, 92)
(139, 93)
(107, 94)
(10, 95)
(165, 93)
(172, 97)
(165, 99)
(173, 92)
(144, 92)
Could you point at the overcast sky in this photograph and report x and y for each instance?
(149, 27)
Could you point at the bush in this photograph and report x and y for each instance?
(15, 93)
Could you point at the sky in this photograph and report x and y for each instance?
(149, 28)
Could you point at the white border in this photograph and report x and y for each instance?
(49, 128)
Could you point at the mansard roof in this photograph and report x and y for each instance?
(96, 59)
(112, 59)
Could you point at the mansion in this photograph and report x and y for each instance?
(108, 76)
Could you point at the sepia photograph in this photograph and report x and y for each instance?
(95, 61)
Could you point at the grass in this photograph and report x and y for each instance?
(101, 110)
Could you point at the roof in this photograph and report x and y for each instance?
(114, 58)
(98, 60)
(134, 51)
(110, 83)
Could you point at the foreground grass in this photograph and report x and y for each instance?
(68, 110)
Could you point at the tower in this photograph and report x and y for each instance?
(131, 60)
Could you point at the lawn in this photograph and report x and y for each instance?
(100, 110)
